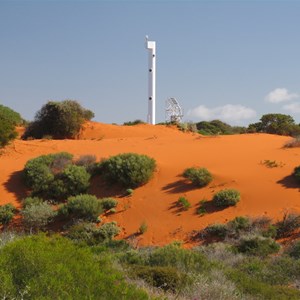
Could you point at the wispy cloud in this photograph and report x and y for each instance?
(292, 107)
(227, 113)
(280, 95)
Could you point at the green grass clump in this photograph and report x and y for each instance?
(183, 203)
(225, 198)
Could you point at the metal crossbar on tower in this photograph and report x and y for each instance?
(174, 112)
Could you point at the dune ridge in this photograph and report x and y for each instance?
(236, 161)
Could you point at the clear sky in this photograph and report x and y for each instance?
(231, 60)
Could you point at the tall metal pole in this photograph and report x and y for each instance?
(151, 46)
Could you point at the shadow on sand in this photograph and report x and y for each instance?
(179, 186)
(15, 185)
(289, 182)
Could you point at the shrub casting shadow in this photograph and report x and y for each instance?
(15, 185)
(179, 186)
(289, 182)
(101, 188)
(210, 207)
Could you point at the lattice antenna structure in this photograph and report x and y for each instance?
(174, 112)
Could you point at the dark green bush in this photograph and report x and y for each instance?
(54, 176)
(165, 278)
(8, 120)
(239, 224)
(217, 230)
(226, 198)
(32, 201)
(297, 173)
(7, 212)
(289, 223)
(128, 169)
(37, 215)
(257, 245)
(40, 267)
(217, 127)
(60, 120)
(183, 203)
(84, 206)
(294, 249)
(108, 203)
(198, 176)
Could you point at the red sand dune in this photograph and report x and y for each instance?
(235, 162)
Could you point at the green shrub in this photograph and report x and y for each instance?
(6, 213)
(257, 245)
(43, 267)
(85, 232)
(54, 176)
(84, 206)
(165, 278)
(60, 120)
(108, 203)
(109, 230)
(37, 216)
(129, 192)
(217, 230)
(198, 176)
(32, 201)
(183, 203)
(8, 120)
(128, 169)
(297, 173)
(226, 198)
(239, 224)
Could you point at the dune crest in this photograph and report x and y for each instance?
(236, 161)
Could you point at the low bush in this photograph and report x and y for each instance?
(7, 212)
(257, 245)
(165, 278)
(108, 203)
(143, 228)
(225, 198)
(54, 176)
(183, 203)
(128, 169)
(198, 176)
(289, 223)
(32, 201)
(109, 230)
(239, 224)
(84, 206)
(217, 230)
(87, 161)
(132, 123)
(37, 216)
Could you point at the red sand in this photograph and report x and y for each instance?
(235, 162)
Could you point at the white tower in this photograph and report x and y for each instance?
(150, 45)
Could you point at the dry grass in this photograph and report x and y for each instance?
(295, 142)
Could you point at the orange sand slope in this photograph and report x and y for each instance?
(235, 161)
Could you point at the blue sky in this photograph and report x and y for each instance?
(232, 60)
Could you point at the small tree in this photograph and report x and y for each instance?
(58, 119)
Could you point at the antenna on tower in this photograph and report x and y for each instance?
(174, 112)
